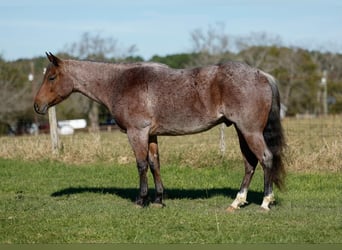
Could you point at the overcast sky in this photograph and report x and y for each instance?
(29, 28)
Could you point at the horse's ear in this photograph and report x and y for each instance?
(54, 59)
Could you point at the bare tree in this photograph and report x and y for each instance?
(255, 49)
(211, 45)
(258, 39)
(95, 47)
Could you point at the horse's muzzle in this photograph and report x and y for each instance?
(40, 109)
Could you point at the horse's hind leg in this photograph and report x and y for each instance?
(258, 147)
(153, 159)
(251, 162)
(265, 157)
(268, 190)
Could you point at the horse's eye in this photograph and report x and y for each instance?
(53, 77)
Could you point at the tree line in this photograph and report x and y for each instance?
(299, 73)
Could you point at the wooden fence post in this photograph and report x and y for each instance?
(53, 131)
(222, 140)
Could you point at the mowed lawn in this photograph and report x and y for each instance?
(52, 202)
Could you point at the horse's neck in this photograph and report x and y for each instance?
(93, 80)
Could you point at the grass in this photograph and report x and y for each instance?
(49, 202)
(86, 193)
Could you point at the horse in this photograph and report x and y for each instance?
(149, 99)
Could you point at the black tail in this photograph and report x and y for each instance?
(274, 137)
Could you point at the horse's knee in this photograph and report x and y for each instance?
(267, 158)
(142, 167)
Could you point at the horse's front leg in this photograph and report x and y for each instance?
(153, 159)
(139, 142)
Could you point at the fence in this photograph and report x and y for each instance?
(313, 145)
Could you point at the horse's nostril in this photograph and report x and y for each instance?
(35, 106)
(40, 109)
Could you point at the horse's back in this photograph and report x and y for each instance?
(197, 99)
(183, 101)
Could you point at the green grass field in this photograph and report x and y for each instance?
(49, 202)
(86, 193)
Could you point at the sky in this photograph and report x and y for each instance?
(29, 28)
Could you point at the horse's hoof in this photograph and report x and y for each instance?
(231, 209)
(264, 209)
(157, 205)
(140, 203)
(136, 205)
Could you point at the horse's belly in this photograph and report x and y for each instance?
(183, 126)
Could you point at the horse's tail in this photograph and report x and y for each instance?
(274, 136)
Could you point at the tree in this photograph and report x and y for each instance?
(256, 48)
(295, 70)
(177, 61)
(332, 64)
(210, 46)
(298, 78)
(14, 87)
(95, 47)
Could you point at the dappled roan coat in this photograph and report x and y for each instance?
(151, 99)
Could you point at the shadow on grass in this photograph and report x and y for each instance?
(170, 194)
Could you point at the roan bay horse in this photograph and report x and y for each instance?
(151, 99)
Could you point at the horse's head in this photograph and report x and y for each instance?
(56, 85)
